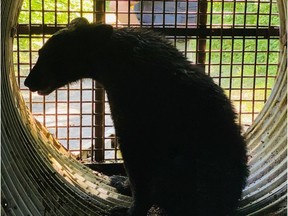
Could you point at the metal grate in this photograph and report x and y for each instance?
(236, 41)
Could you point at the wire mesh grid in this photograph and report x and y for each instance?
(236, 41)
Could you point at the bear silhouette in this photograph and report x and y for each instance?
(177, 131)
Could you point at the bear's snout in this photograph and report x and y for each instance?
(28, 82)
(39, 81)
(32, 82)
(35, 80)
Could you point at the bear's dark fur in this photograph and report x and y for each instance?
(181, 146)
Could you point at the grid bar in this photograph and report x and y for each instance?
(272, 31)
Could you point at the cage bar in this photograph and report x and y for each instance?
(236, 41)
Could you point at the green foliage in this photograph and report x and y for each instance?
(49, 12)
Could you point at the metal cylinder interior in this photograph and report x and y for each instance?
(39, 177)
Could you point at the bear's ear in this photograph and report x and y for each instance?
(98, 30)
(79, 21)
(74, 24)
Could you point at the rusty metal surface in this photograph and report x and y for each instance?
(39, 177)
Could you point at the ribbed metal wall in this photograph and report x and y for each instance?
(38, 176)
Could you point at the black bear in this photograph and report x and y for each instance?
(181, 146)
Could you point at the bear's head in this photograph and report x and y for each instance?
(67, 56)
